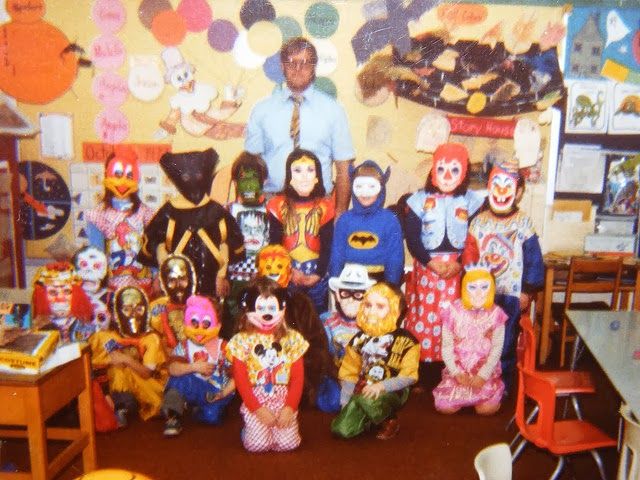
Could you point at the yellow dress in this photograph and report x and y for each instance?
(149, 352)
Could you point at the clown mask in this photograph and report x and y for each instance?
(177, 277)
(91, 266)
(268, 313)
(502, 191)
(59, 296)
(249, 187)
(379, 311)
(303, 176)
(131, 312)
(201, 323)
(478, 289)
(366, 190)
(450, 163)
(122, 173)
(274, 262)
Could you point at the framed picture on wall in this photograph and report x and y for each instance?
(587, 107)
(620, 196)
(624, 117)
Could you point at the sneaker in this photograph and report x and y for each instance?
(172, 427)
(388, 429)
(121, 416)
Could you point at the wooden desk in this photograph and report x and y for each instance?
(29, 400)
(555, 263)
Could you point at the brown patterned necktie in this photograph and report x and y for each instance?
(294, 130)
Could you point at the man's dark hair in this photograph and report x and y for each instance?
(296, 45)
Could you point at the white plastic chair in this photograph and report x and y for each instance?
(494, 462)
(629, 466)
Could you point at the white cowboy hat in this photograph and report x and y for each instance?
(352, 277)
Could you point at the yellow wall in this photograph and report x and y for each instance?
(408, 166)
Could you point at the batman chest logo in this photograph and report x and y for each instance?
(363, 240)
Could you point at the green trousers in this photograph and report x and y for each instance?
(360, 413)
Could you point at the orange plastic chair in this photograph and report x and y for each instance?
(560, 437)
(565, 383)
(589, 275)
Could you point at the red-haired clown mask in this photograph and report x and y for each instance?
(201, 323)
(122, 173)
(58, 280)
(503, 186)
(450, 164)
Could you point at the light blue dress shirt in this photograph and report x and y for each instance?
(324, 130)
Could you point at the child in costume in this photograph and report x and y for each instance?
(300, 219)
(132, 356)
(472, 338)
(380, 363)
(193, 224)
(504, 238)
(348, 291)
(200, 373)
(248, 172)
(178, 282)
(320, 381)
(60, 303)
(435, 229)
(368, 233)
(91, 265)
(116, 225)
(268, 369)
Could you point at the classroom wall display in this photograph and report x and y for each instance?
(624, 116)
(621, 185)
(602, 43)
(588, 103)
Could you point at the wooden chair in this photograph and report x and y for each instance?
(559, 437)
(589, 275)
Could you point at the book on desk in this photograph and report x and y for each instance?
(36, 352)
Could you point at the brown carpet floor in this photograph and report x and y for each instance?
(429, 446)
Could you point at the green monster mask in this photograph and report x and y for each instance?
(249, 187)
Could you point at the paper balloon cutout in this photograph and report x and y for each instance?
(244, 56)
(107, 52)
(108, 15)
(169, 28)
(145, 78)
(374, 100)
(253, 11)
(196, 13)
(616, 28)
(289, 27)
(327, 56)
(111, 126)
(273, 69)
(222, 35)
(25, 11)
(110, 89)
(321, 20)
(327, 86)
(148, 10)
(36, 68)
(264, 38)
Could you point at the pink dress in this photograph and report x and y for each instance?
(471, 343)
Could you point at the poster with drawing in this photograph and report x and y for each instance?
(587, 107)
(624, 116)
(621, 188)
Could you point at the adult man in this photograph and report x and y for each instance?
(300, 116)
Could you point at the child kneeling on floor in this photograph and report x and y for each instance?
(472, 339)
(268, 369)
(379, 365)
(200, 372)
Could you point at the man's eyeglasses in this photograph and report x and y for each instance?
(355, 294)
(299, 64)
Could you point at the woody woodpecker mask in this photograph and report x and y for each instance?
(201, 324)
(450, 164)
(131, 312)
(274, 262)
(503, 187)
(177, 278)
(122, 172)
(478, 288)
(379, 311)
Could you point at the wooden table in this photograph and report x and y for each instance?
(27, 401)
(613, 348)
(555, 263)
